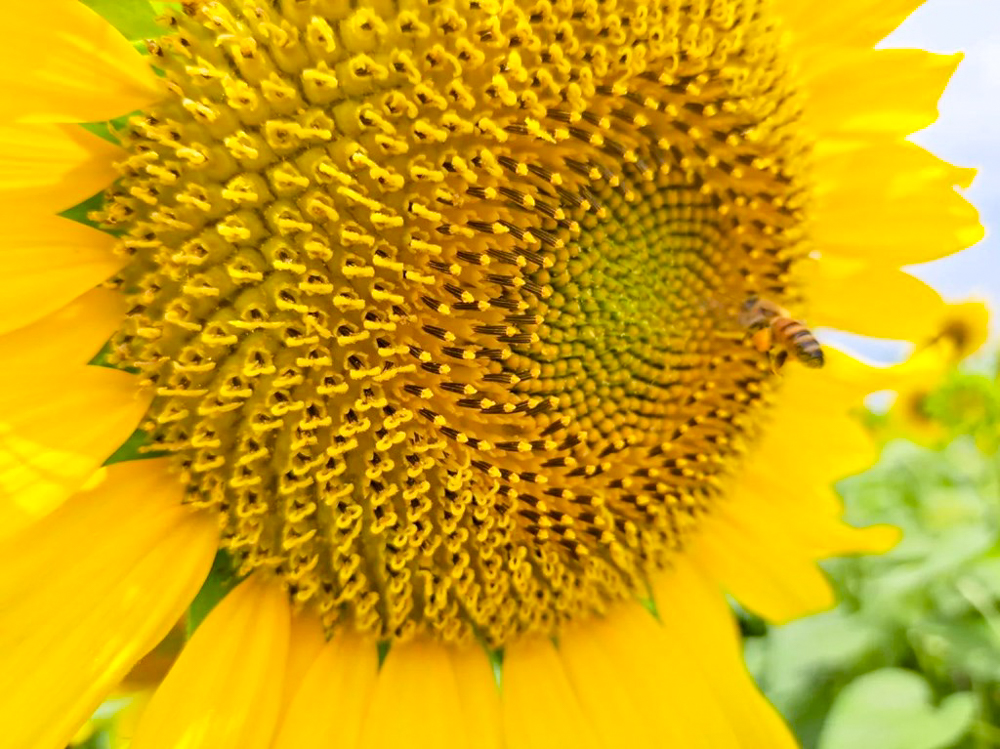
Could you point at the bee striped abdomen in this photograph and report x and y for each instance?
(798, 340)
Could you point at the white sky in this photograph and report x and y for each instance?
(967, 133)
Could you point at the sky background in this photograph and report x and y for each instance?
(967, 133)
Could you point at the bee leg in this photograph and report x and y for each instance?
(778, 359)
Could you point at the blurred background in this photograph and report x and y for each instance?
(910, 658)
(967, 132)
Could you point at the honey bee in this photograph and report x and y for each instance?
(773, 330)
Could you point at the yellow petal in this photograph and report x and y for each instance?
(924, 369)
(901, 169)
(697, 620)
(328, 707)
(224, 691)
(71, 335)
(684, 699)
(890, 93)
(61, 62)
(826, 446)
(856, 23)
(891, 205)
(782, 503)
(811, 517)
(419, 702)
(46, 263)
(49, 168)
(540, 708)
(58, 426)
(122, 729)
(785, 583)
(845, 379)
(604, 696)
(89, 590)
(779, 586)
(479, 697)
(671, 700)
(882, 302)
(812, 419)
(834, 539)
(305, 643)
(898, 232)
(815, 417)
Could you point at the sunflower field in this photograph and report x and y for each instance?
(910, 656)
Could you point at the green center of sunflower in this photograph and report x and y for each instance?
(441, 300)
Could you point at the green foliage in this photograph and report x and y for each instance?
(81, 211)
(221, 579)
(910, 658)
(891, 709)
(969, 404)
(102, 725)
(135, 19)
(108, 130)
(134, 448)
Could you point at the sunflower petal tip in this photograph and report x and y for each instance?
(965, 176)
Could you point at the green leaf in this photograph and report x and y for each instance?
(132, 449)
(818, 643)
(221, 579)
(101, 130)
(800, 665)
(383, 652)
(80, 212)
(135, 19)
(97, 740)
(951, 506)
(986, 572)
(968, 647)
(950, 551)
(891, 709)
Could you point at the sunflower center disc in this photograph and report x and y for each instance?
(440, 300)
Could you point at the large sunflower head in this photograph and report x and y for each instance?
(450, 362)
(461, 327)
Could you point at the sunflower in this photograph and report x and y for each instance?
(962, 330)
(443, 323)
(959, 332)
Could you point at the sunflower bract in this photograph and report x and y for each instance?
(439, 299)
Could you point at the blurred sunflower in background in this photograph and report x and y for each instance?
(961, 331)
(457, 329)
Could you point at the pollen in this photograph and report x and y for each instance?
(440, 300)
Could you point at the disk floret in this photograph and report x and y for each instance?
(439, 300)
